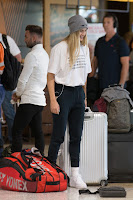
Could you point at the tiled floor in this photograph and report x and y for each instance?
(69, 194)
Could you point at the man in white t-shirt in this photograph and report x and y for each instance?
(7, 107)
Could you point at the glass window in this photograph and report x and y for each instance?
(17, 15)
(59, 16)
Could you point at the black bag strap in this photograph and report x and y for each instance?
(114, 85)
(88, 192)
(4, 38)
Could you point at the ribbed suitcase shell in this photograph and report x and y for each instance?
(93, 153)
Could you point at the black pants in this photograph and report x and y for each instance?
(72, 107)
(28, 114)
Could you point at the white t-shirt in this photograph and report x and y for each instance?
(33, 77)
(59, 65)
(13, 46)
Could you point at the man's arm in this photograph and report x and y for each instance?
(18, 56)
(14, 49)
(94, 65)
(54, 106)
(125, 69)
(29, 63)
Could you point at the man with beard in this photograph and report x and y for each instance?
(30, 91)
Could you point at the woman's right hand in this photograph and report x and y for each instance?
(54, 107)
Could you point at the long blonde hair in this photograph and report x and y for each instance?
(73, 41)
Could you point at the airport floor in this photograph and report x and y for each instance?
(69, 194)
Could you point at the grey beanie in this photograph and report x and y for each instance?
(76, 23)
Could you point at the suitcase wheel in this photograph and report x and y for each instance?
(103, 182)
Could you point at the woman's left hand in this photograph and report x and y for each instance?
(85, 102)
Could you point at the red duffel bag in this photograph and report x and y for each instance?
(28, 172)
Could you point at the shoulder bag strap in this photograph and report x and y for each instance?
(88, 192)
(4, 38)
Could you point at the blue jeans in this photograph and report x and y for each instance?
(9, 113)
(2, 95)
(72, 109)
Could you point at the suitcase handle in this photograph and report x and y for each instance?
(88, 113)
(114, 85)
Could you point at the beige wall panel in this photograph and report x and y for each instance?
(2, 23)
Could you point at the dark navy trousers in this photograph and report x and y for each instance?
(72, 107)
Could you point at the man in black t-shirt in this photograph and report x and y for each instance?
(111, 55)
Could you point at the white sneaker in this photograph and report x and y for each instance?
(77, 182)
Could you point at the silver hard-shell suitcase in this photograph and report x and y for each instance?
(93, 149)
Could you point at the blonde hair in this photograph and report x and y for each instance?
(73, 41)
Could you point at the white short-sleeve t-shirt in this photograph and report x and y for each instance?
(59, 65)
(13, 46)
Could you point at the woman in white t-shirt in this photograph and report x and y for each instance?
(67, 74)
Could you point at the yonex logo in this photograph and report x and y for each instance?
(2, 176)
(16, 184)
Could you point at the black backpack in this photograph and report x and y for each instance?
(12, 69)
